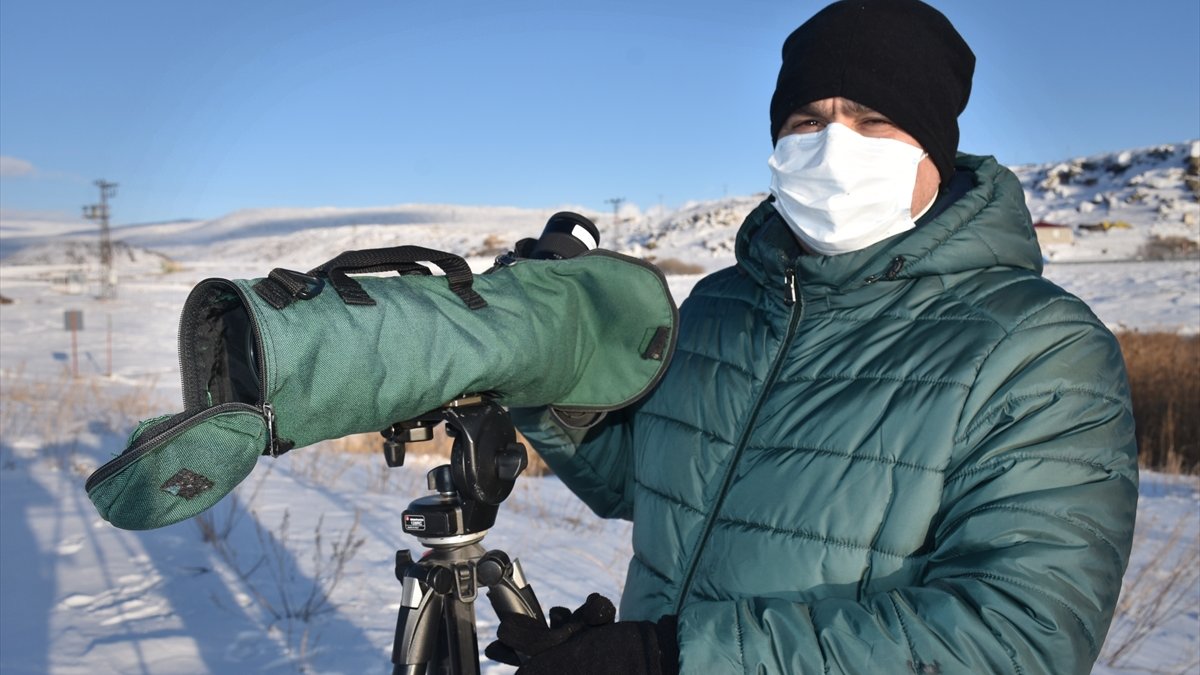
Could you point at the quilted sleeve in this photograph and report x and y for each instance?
(1027, 552)
(594, 463)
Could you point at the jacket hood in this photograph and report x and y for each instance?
(989, 226)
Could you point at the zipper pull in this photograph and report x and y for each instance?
(506, 259)
(269, 413)
(890, 273)
(275, 445)
(789, 280)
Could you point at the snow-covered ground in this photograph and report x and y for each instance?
(79, 596)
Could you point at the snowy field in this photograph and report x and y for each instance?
(79, 596)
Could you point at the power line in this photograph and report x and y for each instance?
(108, 276)
(616, 204)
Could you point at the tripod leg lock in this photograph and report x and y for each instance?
(465, 583)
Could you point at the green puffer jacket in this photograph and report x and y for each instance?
(918, 457)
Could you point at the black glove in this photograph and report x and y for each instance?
(587, 642)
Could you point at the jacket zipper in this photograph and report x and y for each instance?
(890, 273)
(173, 427)
(792, 299)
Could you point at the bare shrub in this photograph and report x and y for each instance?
(303, 601)
(1164, 378)
(295, 599)
(1169, 248)
(1155, 595)
(273, 578)
(217, 523)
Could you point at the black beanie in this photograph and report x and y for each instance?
(902, 58)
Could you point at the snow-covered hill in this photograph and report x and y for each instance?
(1125, 206)
(1153, 188)
(1115, 203)
(287, 236)
(1141, 203)
(1140, 194)
(86, 252)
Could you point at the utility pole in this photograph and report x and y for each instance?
(616, 204)
(108, 276)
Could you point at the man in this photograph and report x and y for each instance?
(885, 444)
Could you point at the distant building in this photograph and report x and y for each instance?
(74, 282)
(1053, 233)
(1106, 225)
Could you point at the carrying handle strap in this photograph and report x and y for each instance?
(402, 259)
(282, 287)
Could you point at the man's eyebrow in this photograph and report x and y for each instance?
(814, 109)
(856, 108)
(824, 109)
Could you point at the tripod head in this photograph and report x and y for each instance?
(485, 460)
(435, 630)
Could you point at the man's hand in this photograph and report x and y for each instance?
(586, 642)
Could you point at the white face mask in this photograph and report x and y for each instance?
(841, 191)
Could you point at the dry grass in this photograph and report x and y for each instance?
(171, 267)
(31, 401)
(55, 412)
(1164, 376)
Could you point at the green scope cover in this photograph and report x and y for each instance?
(587, 334)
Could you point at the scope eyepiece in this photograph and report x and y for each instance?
(566, 235)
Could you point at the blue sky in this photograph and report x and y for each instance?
(201, 108)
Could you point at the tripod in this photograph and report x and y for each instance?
(435, 630)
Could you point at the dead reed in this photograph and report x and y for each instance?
(1164, 377)
(49, 414)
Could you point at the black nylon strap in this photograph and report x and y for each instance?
(402, 259)
(270, 290)
(283, 286)
(291, 281)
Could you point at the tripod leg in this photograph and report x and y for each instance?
(459, 645)
(435, 632)
(508, 591)
(417, 628)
